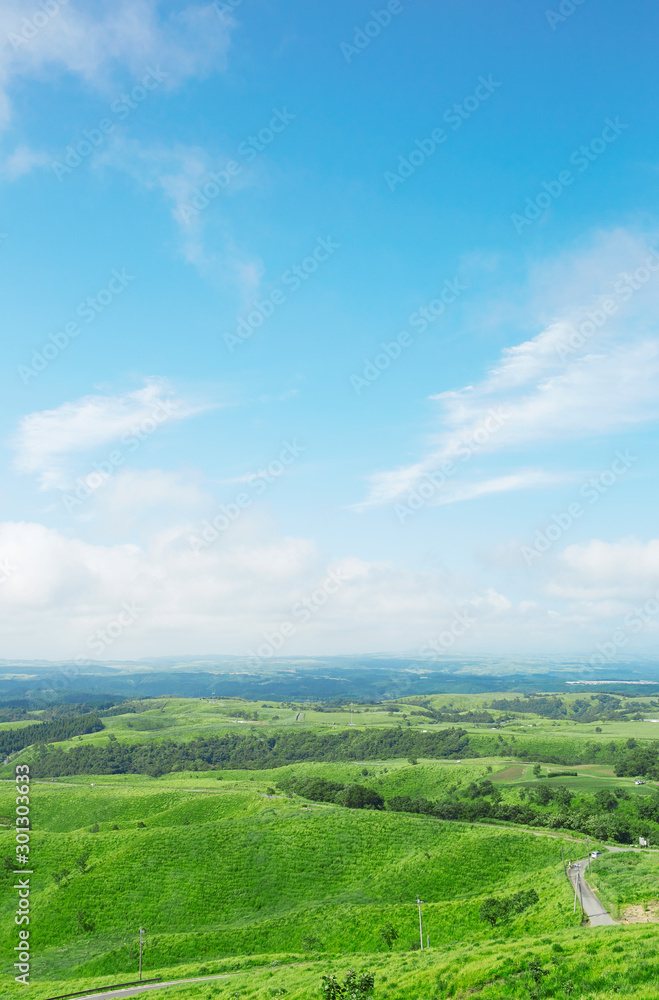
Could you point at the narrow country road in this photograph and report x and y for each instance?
(593, 908)
(132, 991)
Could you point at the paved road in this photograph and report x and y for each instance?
(132, 991)
(593, 908)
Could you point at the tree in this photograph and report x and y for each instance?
(389, 934)
(606, 800)
(536, 771)
(81, 862)
(358, 797)
(491, 910)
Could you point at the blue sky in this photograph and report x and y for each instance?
(213, 218)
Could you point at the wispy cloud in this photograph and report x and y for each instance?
(547, 391)
(100, 42)
(181, 173)
(22, 161)
(46, 440)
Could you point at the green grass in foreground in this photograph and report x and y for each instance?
(235, 870)
(597, 964)
(233, 876)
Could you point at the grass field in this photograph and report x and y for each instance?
(611, 963)
(626, 878)
(228, 872)
(230, 869)
(184, 719)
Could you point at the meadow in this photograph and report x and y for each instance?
(229, 871)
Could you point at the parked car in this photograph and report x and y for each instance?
(595, 854)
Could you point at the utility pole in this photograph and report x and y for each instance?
(427, 940)
(141, 933)
(419, 901)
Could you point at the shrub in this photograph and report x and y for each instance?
(389, 934)
(352, 988)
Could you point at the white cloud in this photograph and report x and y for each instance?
(526, 479)
(180, 173)
(21, 162)
(546, 389)
(46, 440)
(101, 42)
(57, 591)
(224, 598)
(599, 570)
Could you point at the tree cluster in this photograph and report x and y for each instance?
(352, 796)
(12, 740)
(494, 909)
(247, 750)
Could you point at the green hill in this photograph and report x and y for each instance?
(242, 876)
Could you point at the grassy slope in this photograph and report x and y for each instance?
(252, 873)
(269, 876)
(626, 877)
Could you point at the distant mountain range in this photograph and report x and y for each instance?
(308, 678)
